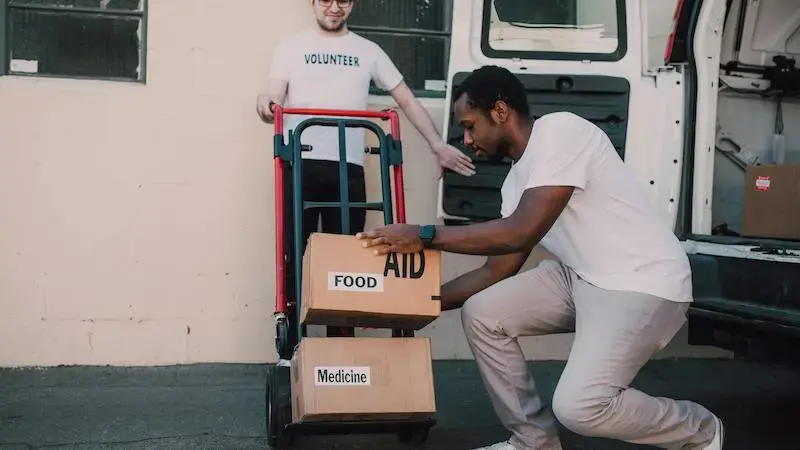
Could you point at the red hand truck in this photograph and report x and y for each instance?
(289, 207)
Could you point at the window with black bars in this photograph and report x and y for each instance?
(97, 39)
(414, 33)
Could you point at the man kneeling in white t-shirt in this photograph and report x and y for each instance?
(622, 282)
(330, 67)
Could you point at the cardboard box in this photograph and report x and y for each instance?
(362, 378)
(771, 206)
(345, 284)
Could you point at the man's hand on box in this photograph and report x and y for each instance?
(395, 238)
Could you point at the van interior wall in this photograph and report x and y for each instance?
(750, 122)
(752, 37)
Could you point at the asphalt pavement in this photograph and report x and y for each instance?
(223, 407)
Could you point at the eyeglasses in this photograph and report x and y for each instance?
(342, 3)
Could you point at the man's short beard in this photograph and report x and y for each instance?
(325, 27)
(503, 151)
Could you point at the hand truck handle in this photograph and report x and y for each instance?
(280, 248)
(388, 114)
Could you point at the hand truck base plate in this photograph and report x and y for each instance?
(407, 430)
(282, 431)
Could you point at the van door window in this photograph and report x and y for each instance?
(554, 29)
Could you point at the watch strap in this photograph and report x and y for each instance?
(427, 233)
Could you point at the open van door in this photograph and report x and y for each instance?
(740, 216)
(588, 57)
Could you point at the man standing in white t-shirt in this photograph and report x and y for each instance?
(330, 67)
(622, 282)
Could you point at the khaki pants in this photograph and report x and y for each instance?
(616, 333)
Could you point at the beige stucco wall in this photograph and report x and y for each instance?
(136, 224)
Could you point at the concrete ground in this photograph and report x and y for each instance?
(222, 406)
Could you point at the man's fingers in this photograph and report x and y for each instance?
(457, 167)
(373, 242)
(385, 250)
(367, 234)
(463, 169)
(265, 115)
(466, 161)
(466, 173)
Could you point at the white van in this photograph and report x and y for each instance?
(710, 131)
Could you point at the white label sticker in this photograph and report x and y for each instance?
(342, 376)
(435, 85)
(762, 183)
(24, 66)
(356, 282)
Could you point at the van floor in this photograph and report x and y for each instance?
(222, 406)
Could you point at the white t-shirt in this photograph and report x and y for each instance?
(327, 72)
(608, 233)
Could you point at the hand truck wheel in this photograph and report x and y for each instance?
(279, 407)
(414, 436)
(283, 342)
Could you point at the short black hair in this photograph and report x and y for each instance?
(488, 84)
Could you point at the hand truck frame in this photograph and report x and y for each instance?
(289, 204)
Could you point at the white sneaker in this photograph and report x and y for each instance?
(719, 436)
(505, 445)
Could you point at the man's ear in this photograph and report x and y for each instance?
(499, 112)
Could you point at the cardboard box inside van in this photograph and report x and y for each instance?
(772, 202)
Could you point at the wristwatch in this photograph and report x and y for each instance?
(427, 233)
